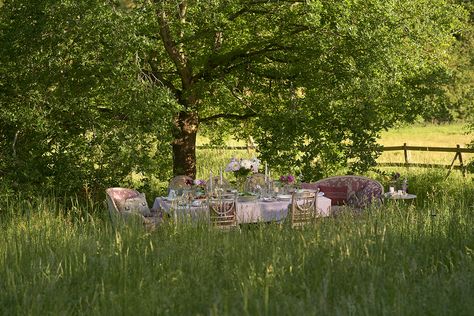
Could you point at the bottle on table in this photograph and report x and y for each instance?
(405, 186)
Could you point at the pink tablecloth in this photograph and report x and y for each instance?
(247, 212)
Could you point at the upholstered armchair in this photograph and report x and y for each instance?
(357, 192)
(127, 205)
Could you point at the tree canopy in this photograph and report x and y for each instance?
(75, 112)
(96, 89)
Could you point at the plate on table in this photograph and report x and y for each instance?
(196, 203)
(284, 196)
(268, 199)
(310, 191)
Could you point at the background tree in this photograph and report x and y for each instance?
(74, 111)
(313, 81)
(460, 91)
(316, 81)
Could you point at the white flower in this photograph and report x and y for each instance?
(246, 163)
(233, 165)
(255, 164)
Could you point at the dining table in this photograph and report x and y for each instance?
(248, 211)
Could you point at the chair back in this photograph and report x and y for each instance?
(119, 211)
(116, 198)
(304, 208)
(223, 211)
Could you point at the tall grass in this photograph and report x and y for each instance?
(401, 259)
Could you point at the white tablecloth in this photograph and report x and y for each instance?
(247, 212)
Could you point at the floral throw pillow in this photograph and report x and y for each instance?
(137, 204)
(362, 198)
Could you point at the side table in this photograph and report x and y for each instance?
(396, 196)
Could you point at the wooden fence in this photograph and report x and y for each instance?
(405, 148)
(457, 156)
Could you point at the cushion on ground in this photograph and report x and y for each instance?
(137, 204)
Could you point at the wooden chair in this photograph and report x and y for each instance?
(223, 211)
(303, 208)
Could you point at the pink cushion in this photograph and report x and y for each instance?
(338, 195)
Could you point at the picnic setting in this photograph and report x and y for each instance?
(245, 157)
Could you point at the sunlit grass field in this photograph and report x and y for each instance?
(448, 135)
(400, 258)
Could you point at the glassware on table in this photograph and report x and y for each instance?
(171, 195)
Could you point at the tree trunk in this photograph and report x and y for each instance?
(184, 144)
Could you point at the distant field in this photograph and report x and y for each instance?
(448, 135)
(426, 135)
(430, 135)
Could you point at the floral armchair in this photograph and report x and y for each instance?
(354, 191)
(130, 205)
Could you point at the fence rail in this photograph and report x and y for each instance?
(458, 150)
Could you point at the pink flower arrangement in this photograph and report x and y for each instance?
(287, 179)
(200, 183)
(197, 183)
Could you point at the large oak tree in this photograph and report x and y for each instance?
(318, 80)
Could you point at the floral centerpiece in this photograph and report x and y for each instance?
(287, 181)
(198, 185)
(242, 169)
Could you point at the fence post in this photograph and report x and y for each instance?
(461, 164)
(405, 153)
(452, 162)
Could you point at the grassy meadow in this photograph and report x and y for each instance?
(398, 259)
(448, 135)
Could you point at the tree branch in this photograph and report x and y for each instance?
(174, 52)
(228, 116)
(240, 99)
(228, 60)
(276, 76)
(155, 76)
